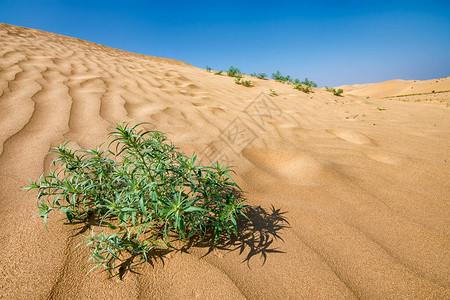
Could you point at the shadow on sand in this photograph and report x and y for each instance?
(255, 236)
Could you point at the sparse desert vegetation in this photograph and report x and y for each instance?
(334, 91)
(347, 200)
(233, 72)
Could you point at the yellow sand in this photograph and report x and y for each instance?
(366, 192)
(398, 87)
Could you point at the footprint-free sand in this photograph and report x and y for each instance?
(363, 184)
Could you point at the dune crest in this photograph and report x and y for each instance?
(365, 190)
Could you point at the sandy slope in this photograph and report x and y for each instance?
(398, 87)
(366, 192)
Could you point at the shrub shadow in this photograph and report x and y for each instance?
(255, 234)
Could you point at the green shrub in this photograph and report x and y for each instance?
(277, 76)
(338, 92)
(233, 72)
(305, 89)
(332, 90)
(246, 83)
(238, 80)
(208, 68)
(309, 83)
(259, 75)
(218, 72)
(142, 194)
(273, 93)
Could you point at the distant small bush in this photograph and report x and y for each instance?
(332, 90)
(238, 80)
(233, 72)
(273, 93)
(305, 89)
(218, 72)
(246, 83)
(208, 68)
(259, 75)
(278, 77)
(338, 92)
(309, 83)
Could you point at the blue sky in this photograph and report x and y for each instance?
(330, 42)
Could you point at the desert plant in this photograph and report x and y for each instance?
(277, 76)
(261, 75)
(273, 93)
(142, 192)
(237, 80)
(218, 72)
(233, 72)
(333, 90)
(305, 89)
(309, 83)
(338, 92)
(246, 83)
(208, 68)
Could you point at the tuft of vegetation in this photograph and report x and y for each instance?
(246, 83)
(233, 72)
(309, 83)
(332, 90)
(381, 108)
(138, 195)
(305, 89)
(273, 93)
(208, 68)
(218, 72)
(338, 92)
(278, 77)
(238, 80)
(259, 75)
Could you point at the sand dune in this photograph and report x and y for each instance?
(365, 191)
(440, 88)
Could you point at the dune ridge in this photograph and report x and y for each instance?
(365, 191)
(401, 88)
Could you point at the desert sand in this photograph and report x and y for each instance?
(354, 201)
(433, 90)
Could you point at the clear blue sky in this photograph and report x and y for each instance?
(330, 42)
